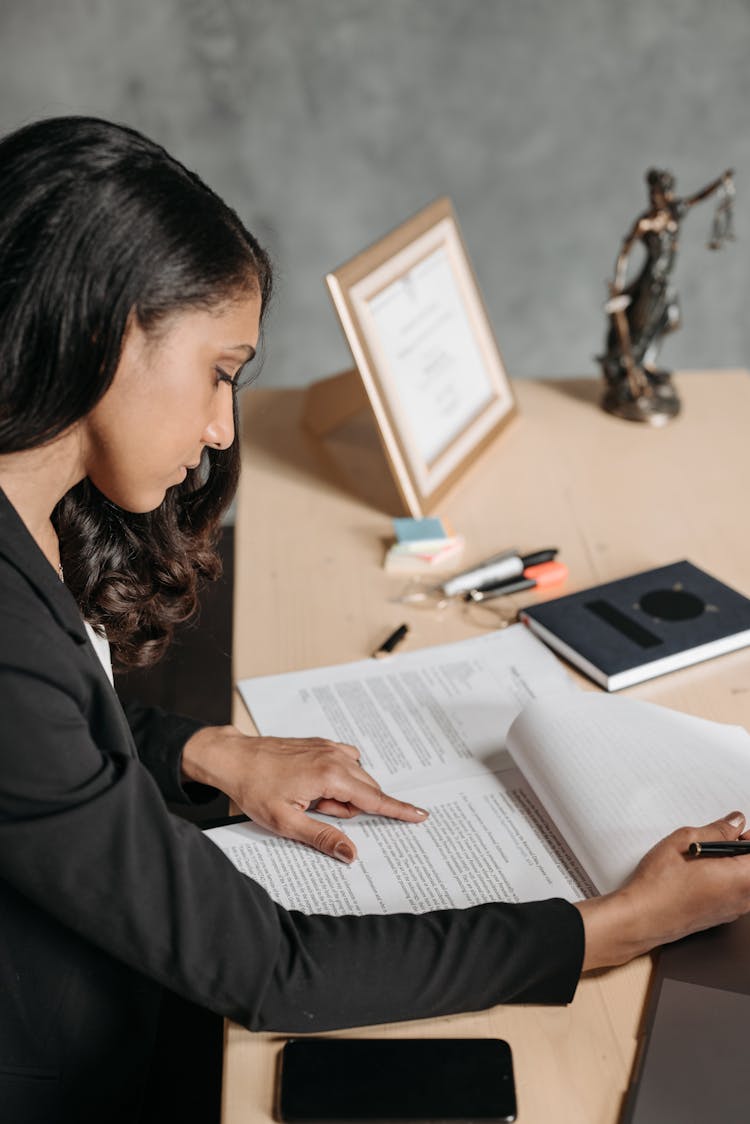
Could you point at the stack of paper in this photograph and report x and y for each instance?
(535, 788)
(422, 544)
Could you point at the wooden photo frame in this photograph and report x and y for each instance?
(414, 318)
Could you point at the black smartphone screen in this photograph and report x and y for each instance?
(330, 1079)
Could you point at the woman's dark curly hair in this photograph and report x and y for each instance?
(99, 228)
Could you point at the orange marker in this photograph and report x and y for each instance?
(541, 576)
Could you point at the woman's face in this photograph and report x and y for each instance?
(170, 397)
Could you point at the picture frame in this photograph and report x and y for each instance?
(424, 349)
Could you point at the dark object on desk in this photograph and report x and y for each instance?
(542, 575)
(646, 309)
(391, 643)
(692, 1066)
(646, 625)
(503, 567)
(459, 1079)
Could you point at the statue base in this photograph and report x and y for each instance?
(656, 406)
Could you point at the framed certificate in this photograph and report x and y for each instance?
(424, 349)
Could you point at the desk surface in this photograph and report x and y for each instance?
(313, 522)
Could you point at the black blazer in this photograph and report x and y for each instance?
(105, 897)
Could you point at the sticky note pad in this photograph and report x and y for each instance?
(407, 557)
(415, 530)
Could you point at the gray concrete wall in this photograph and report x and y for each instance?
(327, 122)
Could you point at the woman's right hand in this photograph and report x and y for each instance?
(277, 780)
(670, 895)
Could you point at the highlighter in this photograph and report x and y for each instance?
(540, 576)
(503, 567)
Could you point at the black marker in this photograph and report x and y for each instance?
(722, 847)
(502, 590)
(499, 568)
(386, 648)
(540, 574)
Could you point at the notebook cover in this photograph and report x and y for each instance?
(651, 623)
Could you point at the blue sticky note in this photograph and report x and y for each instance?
(414, 530)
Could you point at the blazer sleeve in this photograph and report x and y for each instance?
(85, 834)
(159, 739)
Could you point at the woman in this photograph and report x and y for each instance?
(130, 302)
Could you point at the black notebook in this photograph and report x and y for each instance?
(646, 625)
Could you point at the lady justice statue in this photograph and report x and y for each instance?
(647, 308)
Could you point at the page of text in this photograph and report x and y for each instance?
(432, 351)
(487, 839)
(617, 774)
(420, 717)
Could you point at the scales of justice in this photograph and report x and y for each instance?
(642, 311)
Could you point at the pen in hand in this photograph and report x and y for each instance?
(720, 847)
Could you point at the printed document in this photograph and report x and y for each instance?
(535, 788)
(431, 726)
(431, 348)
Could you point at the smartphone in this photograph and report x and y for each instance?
(390, 1079)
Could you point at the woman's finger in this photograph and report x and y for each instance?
(373, 800)
(323, 837)
(329, 807)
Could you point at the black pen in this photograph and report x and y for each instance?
(721, 847)
(541, 574)
(391, 642)
(499, 568)
(502, 590)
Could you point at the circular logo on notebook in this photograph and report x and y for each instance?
(672, 604)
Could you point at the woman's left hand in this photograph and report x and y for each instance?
(276, 780)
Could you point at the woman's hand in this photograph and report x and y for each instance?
(275, 781)
(670, 895)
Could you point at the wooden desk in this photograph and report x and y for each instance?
(615, 497)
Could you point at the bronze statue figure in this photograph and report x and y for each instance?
(644, 310)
